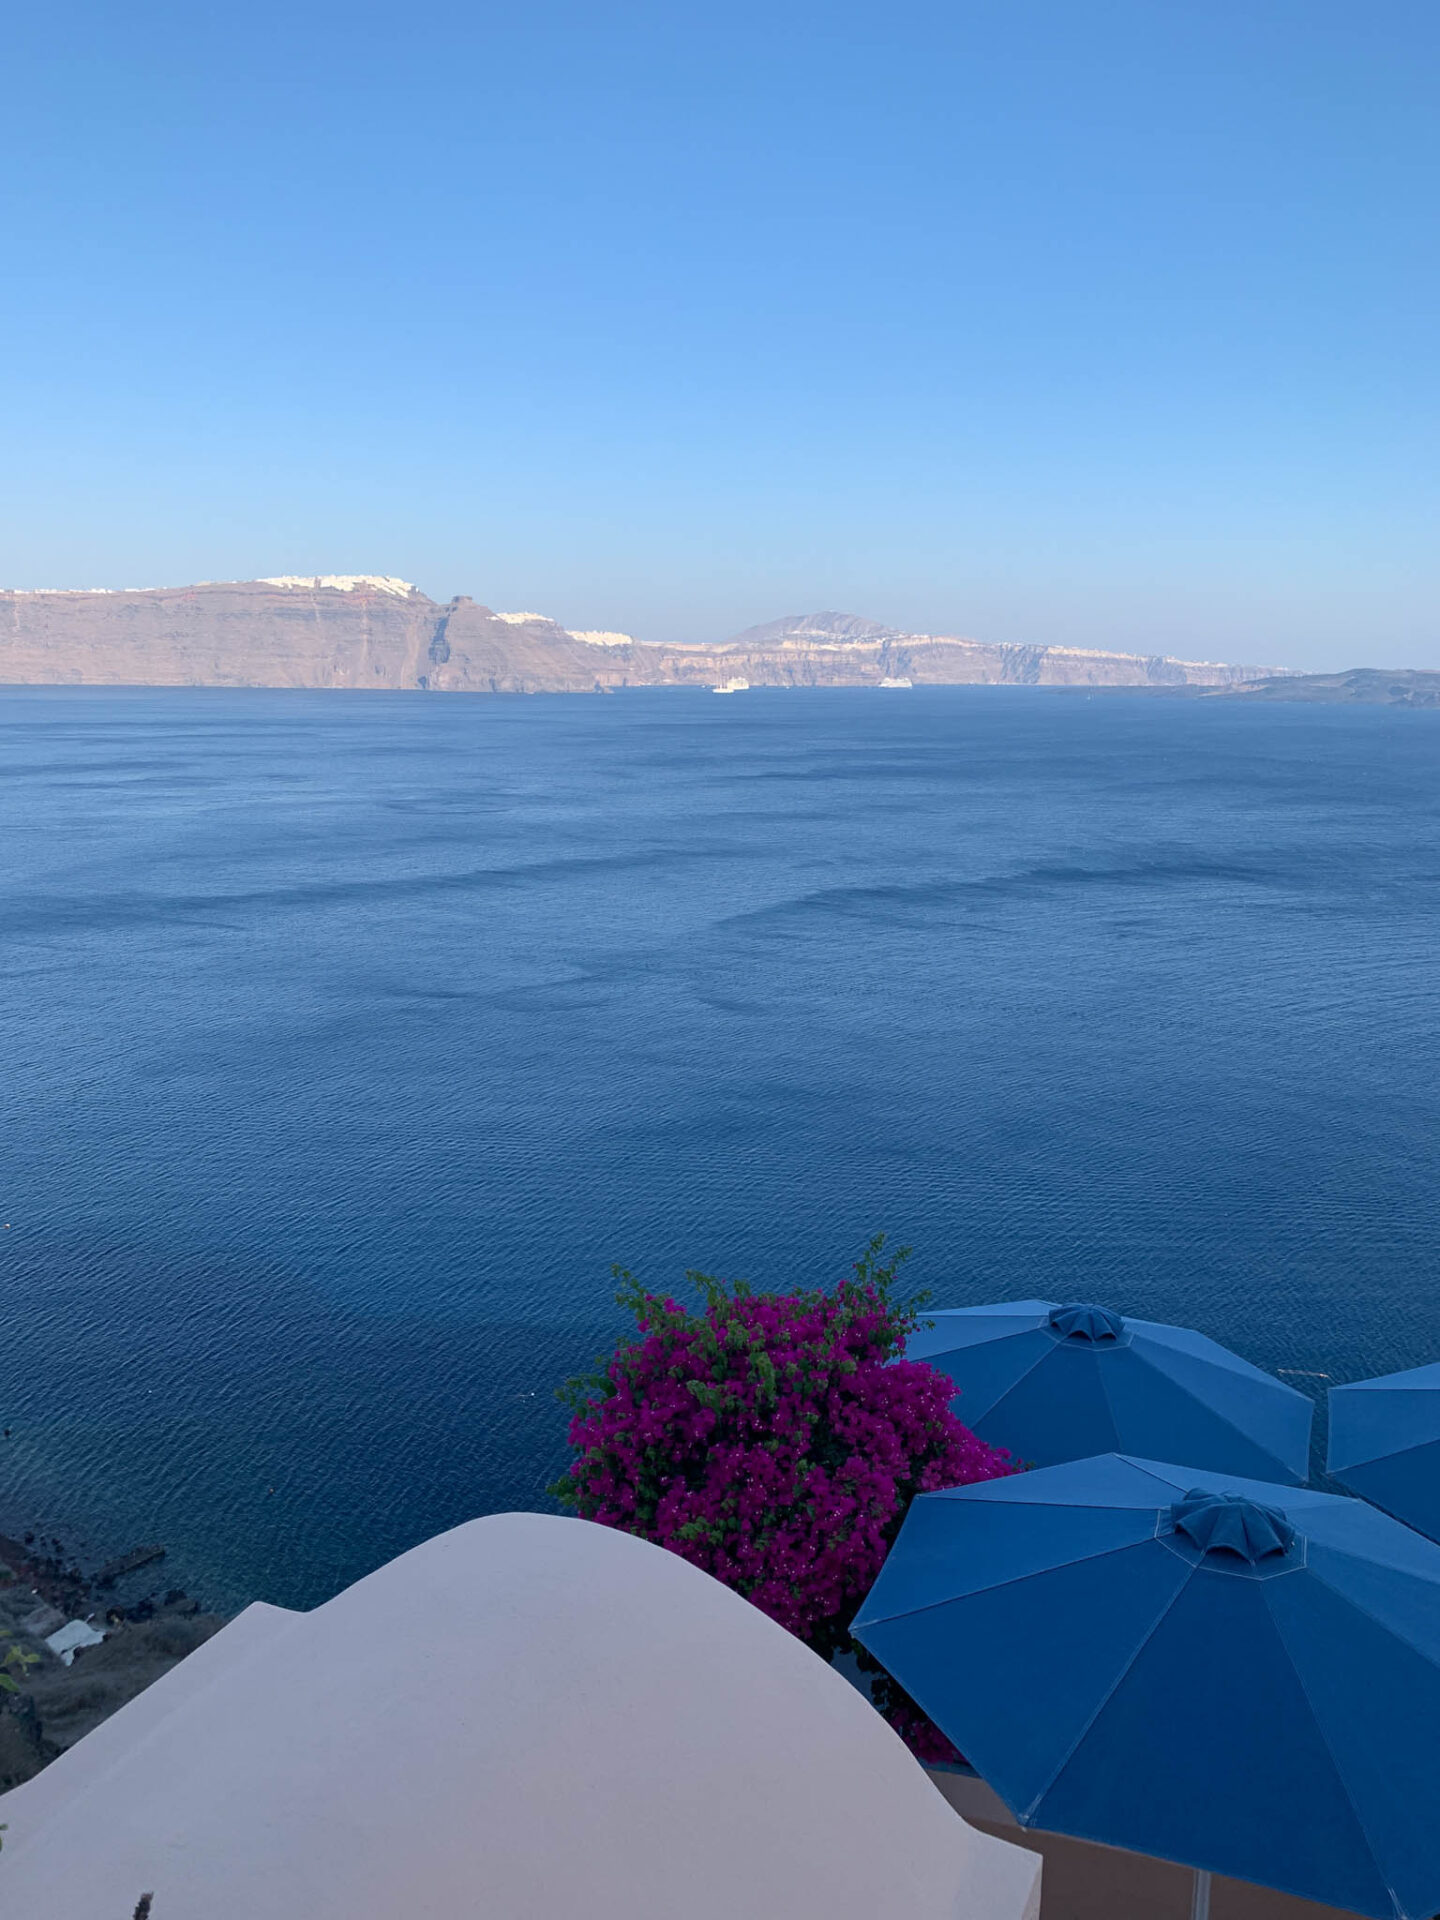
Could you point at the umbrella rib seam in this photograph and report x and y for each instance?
(1018, 1381)
(1319, 1726)
(1377, 1459)
(1110, 1693)
(991, 1586)
(1359, 1606)
(1212, 1411)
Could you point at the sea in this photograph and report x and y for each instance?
(348, 1040)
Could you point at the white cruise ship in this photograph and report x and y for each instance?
(888, 682)
(733, 686)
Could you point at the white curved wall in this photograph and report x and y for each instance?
(529, 1718)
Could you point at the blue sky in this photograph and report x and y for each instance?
(1098, 322)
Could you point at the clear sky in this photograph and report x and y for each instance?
(1098, 322)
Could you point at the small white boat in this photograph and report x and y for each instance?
(888, 682)
(733, 686)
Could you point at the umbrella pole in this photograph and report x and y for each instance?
(1200, 1896)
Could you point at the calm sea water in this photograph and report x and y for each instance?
(346, 1040)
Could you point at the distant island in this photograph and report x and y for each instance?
(376, 631)
(1361, 686)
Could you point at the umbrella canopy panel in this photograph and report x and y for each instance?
(1385, 1444)
(1235, 1675)
(1055, 1381)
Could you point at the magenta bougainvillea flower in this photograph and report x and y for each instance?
(775, 1440)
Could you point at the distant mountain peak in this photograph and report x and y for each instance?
(824, 629)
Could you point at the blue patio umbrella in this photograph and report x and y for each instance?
(1059, 1382)
(1385, 1444)
(1241, 1677)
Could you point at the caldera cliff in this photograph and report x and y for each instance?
(372, 631)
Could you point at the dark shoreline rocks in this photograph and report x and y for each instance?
(50, 1702)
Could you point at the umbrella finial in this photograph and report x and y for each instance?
(1078, 1320)
(1228, 1523)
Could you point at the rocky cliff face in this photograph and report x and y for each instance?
(839, 649)
(373, 631)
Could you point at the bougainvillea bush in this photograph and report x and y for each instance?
(775, 1440)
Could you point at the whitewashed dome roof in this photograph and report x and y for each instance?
(528, 1718)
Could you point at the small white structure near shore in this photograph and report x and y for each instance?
(528, 1718)
(74, 1634)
